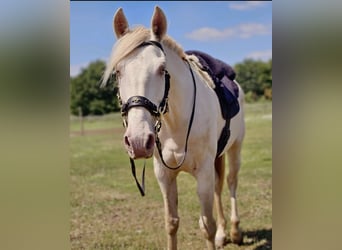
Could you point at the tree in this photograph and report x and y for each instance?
(87, 93)
(255, 78)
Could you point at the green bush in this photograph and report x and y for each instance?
(255, 78)
(87, 94)
(250, 97)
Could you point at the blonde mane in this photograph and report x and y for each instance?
(126, 44)
(193, 60)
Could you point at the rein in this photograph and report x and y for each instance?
(141, 101)
(187, 134)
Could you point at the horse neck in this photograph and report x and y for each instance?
(181, 92)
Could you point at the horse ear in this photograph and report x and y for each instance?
(120, 24)
(158, 23)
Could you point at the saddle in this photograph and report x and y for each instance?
(226, 90)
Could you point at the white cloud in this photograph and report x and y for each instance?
(245, 30)
(248, 30)
(76, 68)
(246, 5)
(263, 55)
(206, 34)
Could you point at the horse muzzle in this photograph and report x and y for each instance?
(139, 147)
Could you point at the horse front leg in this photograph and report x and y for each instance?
(205, 191)
(168, 187)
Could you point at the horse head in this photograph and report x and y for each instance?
(140, 70)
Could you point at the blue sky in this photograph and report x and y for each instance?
(230, 31)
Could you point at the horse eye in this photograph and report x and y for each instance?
(161, 69)
(117, 74)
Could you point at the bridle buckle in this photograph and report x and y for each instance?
(164, 107)
(157, 125)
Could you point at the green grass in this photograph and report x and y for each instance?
(96, 122)
(107, 211)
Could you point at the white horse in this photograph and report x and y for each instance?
(142, 60)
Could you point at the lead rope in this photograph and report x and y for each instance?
(188, 133)
(142, 186)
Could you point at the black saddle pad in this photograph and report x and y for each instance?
(223, 75)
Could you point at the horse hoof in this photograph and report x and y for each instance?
(220, 242)
(236, 236)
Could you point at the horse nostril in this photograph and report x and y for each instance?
(127, 141)
(150, 142)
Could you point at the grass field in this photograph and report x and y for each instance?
(107, 211)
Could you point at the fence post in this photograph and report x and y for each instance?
(80, 115)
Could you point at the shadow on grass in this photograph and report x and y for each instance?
(261, 235)
(262, 238)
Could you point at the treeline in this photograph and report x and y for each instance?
(255, 78)
(86, 94)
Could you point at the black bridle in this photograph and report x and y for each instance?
(141, 101)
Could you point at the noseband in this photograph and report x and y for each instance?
(141, 101)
